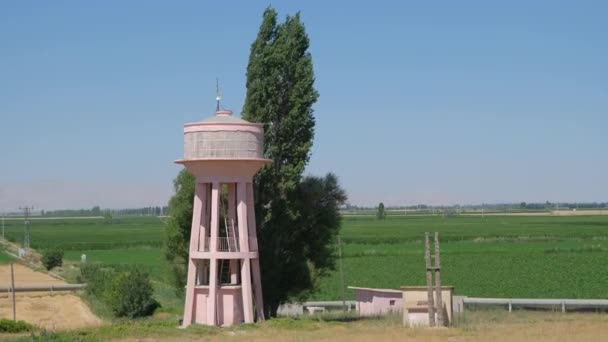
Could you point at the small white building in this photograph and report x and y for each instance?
(377, 302)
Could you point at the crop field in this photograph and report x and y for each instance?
(497, 256)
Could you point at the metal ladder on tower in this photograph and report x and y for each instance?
(232, 244)
(231, 235)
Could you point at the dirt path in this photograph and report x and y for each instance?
(57, 312)
(547, 327)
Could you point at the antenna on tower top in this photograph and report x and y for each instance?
(218, 95)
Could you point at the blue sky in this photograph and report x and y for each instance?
(430, 102)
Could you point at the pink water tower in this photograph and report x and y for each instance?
(223, 285)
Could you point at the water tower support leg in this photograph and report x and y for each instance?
(246, 284)
(194, 236)
(255, 263)
(242, 209)
(212, 299)
(234, 265)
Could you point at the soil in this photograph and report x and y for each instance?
(60, 311)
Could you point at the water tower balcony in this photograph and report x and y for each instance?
(229, 244)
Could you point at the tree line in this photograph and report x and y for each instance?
(97, 211)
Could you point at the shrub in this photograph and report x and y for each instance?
(131, 294)
(126, 291)
(8, 326)
(52, 258)
(98, 279)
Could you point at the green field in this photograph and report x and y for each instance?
(497, 256)
(5, 258)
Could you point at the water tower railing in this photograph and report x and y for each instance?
(225, 244)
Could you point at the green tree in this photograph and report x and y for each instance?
(381, 214)
(131, 294)
(177, 233)
(297, 218)
(296, 234)
(107, 217)
(52, 258)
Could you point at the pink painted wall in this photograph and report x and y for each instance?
(378, 302)
(229, 304)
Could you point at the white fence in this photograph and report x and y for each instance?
(510, 303)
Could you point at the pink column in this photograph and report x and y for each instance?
(232, 220)
(255, 263)
(204, 222)
(194, 234)
(212, 300)
(244, 244)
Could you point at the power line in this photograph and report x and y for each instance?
(26, 226)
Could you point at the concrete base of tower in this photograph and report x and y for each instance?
(229, 304)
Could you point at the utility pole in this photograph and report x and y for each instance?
(429, 280)
(3, 225)
(26, 228)
(13, 291)
(438, 289)
(341, 274)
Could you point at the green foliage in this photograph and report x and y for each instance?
(127, 291)
(9, 326)
(5, 258)
(52, 258)
(280, 92)
(177, 233)
(130, 294)
(97, 277)
(297, 218)
(107, 217)
(381, 214)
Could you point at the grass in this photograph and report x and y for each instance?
(473, 326)
(5, 258)
(495, 256)
(88, 234)
(127, 240)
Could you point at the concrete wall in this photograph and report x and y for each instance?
(229, 304)
(415, 305)
(372, 302)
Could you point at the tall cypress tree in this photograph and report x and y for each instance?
(297, 218)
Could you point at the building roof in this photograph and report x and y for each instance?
(224, 119)
(374, 290)
(424, 288)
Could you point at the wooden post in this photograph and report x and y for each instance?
(439, 301)
(13, 289)
(429, 280)
(341, 274)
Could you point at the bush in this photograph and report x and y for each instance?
(8, 326)
(126, 291)
(97, 278)
(52, 258)
(131, 294)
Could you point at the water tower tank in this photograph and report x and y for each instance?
(223, 136)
